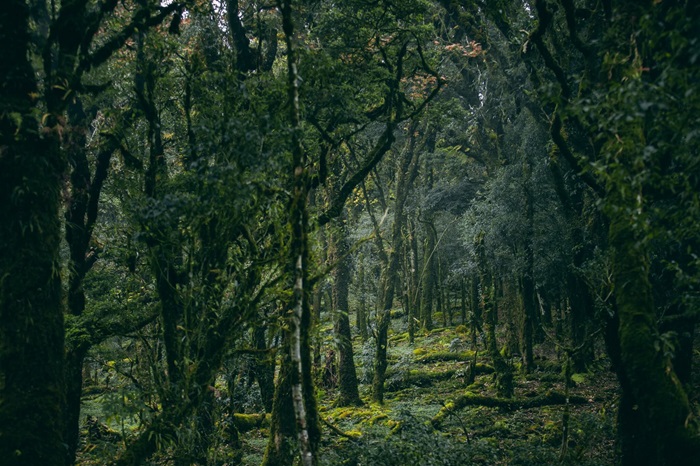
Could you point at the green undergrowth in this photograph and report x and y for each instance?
(432, 415)
(440, 408)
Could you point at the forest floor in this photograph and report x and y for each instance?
(419, 425)
(421, 422)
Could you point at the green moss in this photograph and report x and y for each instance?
(247, 422)
(578, 379)
(418, 379)
(399, 337)
(377, 418)
(420, 351)
(444, 356)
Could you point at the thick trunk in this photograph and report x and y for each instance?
(656, 404)
(31, 311)
(74, 390)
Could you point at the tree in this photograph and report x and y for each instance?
(31, 311)
(627, 147)
(347, 375)
(35, 124)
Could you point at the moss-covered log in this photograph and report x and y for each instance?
(247, 422)
(506, 404)
(427, 379)
(446, 356)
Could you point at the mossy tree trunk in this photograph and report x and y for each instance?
(349, 394)
(662, 434)
(31, 310)
(380, 363)
(413, 279)
(303, 399)
(282, 446)
(504, 373)
(362, 311)
(475, 315)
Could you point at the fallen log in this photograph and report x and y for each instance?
(396, 382)
(506, 404)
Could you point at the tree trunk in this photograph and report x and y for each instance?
(504, 374)
(476, 317)
(429, 278)
(656, 401)
(529, 310)
(463, 301)
(31, 310)
(264, 368)
(413, 280)
(282, 447)
(361, 318)
(303, 396)
(349, 394)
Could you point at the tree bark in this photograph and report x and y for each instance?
(429, 277)
(662, 434)
(31, 310)
(281, 446)
(303, 397)
(349, 394)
